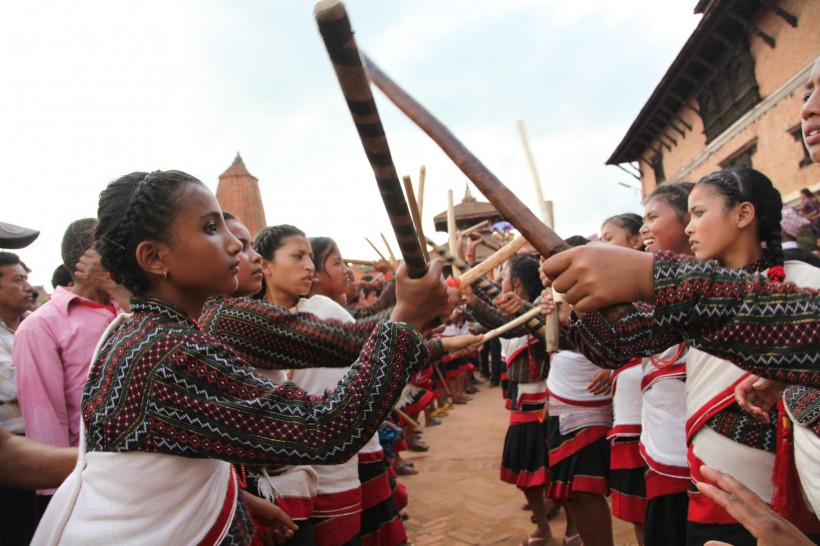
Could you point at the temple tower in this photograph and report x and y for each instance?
(238, 193)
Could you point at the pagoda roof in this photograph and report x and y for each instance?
(469, 211)
(237, 168)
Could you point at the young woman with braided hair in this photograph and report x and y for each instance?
(628, 489)
(663, 387)
(171, 405)
(525, 459)
(368, 506)
(735, 219)
(289, 270)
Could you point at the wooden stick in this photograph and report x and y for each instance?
(422, 176)
(553, 326)
(513, 324)
(334, 26)
(478, 227)
(451, 228)
(489, 244)
(539, 194)
(376, 249)
(389, 251)
(469, 277)
(545, 241)
(407, 418)
(358, 262)
(536, 326)
(415, 213)
(443, 379)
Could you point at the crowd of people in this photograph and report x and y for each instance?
(187, 383)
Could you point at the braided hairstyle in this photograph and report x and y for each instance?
(137, 207)
(629, 222)
(525, 268)
(322, 247)
(740, 185)
(676, 196)
(78, 237)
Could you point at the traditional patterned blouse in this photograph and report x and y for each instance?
(160, 384)
(528, 365)
(385, 301)
(769, 329)
(269, 336)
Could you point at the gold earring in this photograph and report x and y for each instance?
(165, 274)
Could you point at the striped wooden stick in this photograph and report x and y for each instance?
(334, 26)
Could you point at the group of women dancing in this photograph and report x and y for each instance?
(239, 400)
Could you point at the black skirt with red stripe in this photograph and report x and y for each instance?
(381, 523)
(525, 460)
(579, 461)
(626, 480)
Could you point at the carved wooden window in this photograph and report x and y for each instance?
(657, 166)
(728, 92)
(741, 158)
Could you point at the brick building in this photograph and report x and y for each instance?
(731, 98)
(238, 193)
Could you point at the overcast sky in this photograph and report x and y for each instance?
(94, 90)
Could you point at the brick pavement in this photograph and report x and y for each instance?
(457, 498)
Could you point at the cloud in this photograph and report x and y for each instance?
(93, 90)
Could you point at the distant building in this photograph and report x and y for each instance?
(238, 193)
(469, 213)
(731, 98)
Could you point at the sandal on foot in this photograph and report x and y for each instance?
(537, 541)
(573, 540)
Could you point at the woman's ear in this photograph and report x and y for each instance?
(745, 214)
(515, 282)
(635, 242)
(149, 258)
(266, 268)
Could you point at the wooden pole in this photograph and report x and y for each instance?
(451, 228)
(553, 326)
(376, 249)
(337, 34)
(478, 227)
(531, 162)
(545, 241)
(407, 418)
(480, 270)
(513, 324)
(389, 251)
(535, 325)
(415, 213)
(443, 380)
(358, 262)
(422, 176)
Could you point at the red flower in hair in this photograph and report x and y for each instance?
(777, 273)
(455, 282)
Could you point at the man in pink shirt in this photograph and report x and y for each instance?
(53, 348)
